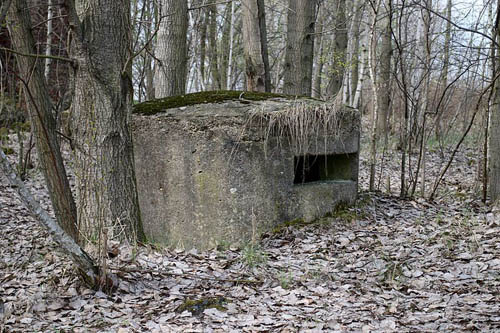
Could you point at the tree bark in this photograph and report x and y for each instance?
(340, 50)
(231, 50)
(318, 55)
(384, 82)
(171, 49)
(104, 161)
(299, 47)
(255, 46)
(494, 126)
(212, 40)
(372, 61)
(42, 120)
(443, 81)
(48, 43)
(355, 54)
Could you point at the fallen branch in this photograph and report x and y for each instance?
(88, 271)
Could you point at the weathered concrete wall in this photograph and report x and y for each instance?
(213, 173)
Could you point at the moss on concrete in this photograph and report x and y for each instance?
(204, 97)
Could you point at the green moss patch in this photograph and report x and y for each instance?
(204, 97)
(196, 307)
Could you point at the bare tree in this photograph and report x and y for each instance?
(41, 115)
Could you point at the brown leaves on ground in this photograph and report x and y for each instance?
(385, 265)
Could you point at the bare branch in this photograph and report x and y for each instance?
(41, 56)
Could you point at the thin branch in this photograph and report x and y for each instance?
(456, 25)
(41, 56)
(210, 4)
(476, 110)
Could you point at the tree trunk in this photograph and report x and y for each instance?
(318, 55)
(255, 46)
(299, 47)
(171, 49)
(212, 40)
(231, 49)
(43, 123)
(494, 127)
(443, 81)
(384, 82)
(226, 44)
(263, 42)
(104, 161)
(203, 46)
(151, 12)
(372, 61)
(48, 44)
(355, 55)
(340, 50)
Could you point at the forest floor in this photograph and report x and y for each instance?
(385, 265)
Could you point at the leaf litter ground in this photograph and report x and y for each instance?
(384, 265)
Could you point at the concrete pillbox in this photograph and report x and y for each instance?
(223, 170)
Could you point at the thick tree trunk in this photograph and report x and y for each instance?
(171, 49)
(104, 161)
(299, 47)
(43, 123)
(255, 46)
(340, 50)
